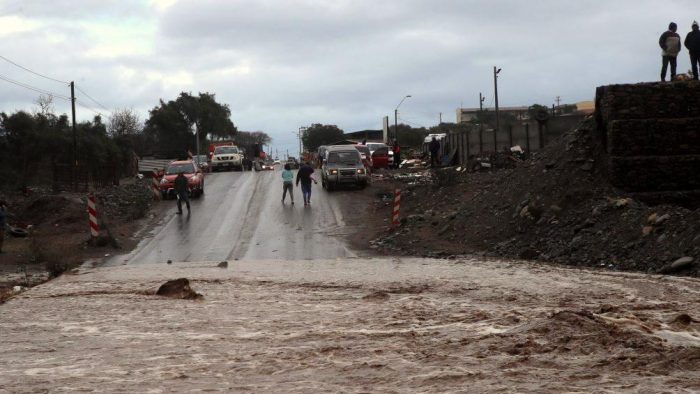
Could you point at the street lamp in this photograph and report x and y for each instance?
(396, 117)
(496, 71)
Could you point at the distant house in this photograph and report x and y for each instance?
(465, 115)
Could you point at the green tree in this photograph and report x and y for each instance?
(408, 136)
(246, 140)
(319, 134)
(169, 127)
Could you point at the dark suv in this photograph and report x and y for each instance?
(342, 165)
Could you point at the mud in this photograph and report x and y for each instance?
(355, 325)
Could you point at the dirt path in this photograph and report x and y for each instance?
(355, 325)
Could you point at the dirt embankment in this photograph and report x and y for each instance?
(556, 207)
(58, 234)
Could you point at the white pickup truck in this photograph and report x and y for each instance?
(228, 157)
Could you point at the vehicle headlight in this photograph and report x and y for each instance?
(334, 172)
(360, 170)
(163, 181)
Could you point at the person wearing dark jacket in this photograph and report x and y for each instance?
(182, 193)
(434, 148)
(670, 43)
(692, 43)
(304, 176)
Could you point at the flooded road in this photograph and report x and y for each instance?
(241, 216)
(355, 325)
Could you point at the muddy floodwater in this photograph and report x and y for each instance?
(354, 325)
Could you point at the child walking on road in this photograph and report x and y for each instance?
(287, 183)
(304, 177)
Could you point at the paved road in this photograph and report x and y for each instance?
(241, 216)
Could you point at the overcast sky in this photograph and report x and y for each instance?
(282, 64)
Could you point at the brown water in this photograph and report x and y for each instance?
(355, 326)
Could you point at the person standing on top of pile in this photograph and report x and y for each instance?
(692, 42)
(434, 148)
(670, 43)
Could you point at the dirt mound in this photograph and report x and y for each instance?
(557, 206)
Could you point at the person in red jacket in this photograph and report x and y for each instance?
(670, 43)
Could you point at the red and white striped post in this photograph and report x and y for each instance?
(397, 207)
(92, 213)
(155, 185)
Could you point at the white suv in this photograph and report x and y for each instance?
(226, 157)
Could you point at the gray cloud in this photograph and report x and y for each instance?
(284, 64)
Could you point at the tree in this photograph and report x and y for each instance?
(45, 104)
(319, 134)
(169, 128)
(124, 122)
(246, 139)
(408, 136)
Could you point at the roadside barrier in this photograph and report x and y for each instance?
(397, 206)
(155, 181)
(92, 213)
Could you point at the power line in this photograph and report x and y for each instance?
(33, 72)
(93, 100)
(80, 103)
(411, 123)
(30, 87)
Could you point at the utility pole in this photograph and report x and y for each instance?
(481, 102)
(75, 137)
(396, 117)
(558, 100)
(196, 133)
(440, 117)
(495, 89)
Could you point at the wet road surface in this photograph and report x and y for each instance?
(241, 216)
(354, 325)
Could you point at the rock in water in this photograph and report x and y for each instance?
(179, 289)
(223, 264)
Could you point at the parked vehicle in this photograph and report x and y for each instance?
(202, 162)
(373, 146)
(343, 165)
(293, 162)
(380, 158)
(194, 175)
(366, 156)
(321, 155)
(226, 157)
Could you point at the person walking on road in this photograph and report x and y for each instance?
(304, 177)
(287, 179)
(670, 43)
(182, 193)
(434, 148)
(692, 43)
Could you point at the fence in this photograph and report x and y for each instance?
(81, 178)
(531, 136)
